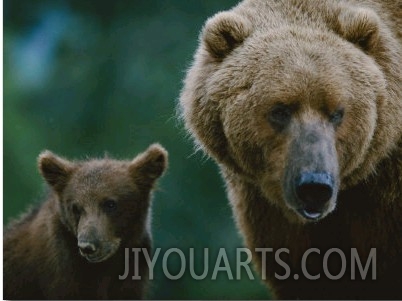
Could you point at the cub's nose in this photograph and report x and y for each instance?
(86, 248)
(314, 190)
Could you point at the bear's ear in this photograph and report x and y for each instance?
(360, 26)
(149, 165)
(55, 170)
(224, 32)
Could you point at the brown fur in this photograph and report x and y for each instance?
(315, 58)
(41, 256)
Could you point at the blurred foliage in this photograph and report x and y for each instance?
(82, 78)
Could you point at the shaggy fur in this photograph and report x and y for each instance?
(102, 203)
(278, 87)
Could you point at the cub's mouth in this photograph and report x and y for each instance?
(99, 252)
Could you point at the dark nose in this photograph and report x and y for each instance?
(314, 189)
(86, 248)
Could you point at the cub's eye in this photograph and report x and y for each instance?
(76, 210)
(280, 116)
(110, 205)
(337, 117)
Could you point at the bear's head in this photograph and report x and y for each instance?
(299, 102)
(105, 202)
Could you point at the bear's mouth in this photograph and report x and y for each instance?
(101, 253)
(98, 256)
(95, 259)
(310, 214)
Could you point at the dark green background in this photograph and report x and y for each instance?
(82, 78)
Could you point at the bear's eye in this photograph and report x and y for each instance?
(280, 116)
(76, 210)
(337, 117)
(110, 205)
(363, 43)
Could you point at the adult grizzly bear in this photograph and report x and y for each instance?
(300, 104)
(73, 245)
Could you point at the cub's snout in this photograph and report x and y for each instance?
(95, 243)
(87, 248)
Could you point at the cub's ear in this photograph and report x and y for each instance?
(149, 165)
(224, 32)
(360, 26)
(55, 170)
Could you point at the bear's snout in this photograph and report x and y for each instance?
(314, 190)
(97, 251)
(94, 242)
(87, 248)
(311, 178)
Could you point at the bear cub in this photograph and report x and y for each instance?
(72, 246)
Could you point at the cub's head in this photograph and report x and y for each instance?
(298, 103)
(104, 202)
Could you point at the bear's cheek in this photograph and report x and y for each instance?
(265, 160)
(354, 138)
(252, 143)
(67, 217)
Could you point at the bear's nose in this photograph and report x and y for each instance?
(314, 189)
(86, 248)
